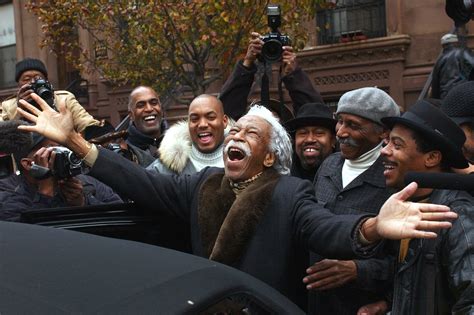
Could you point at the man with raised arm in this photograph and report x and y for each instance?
(249, 215)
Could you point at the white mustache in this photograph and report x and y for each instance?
(348, 141)
(239, 145)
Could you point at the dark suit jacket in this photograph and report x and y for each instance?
(292, 222)
(364, 195)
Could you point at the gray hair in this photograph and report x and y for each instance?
(280, 143)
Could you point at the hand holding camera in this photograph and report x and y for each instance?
(289, 60)
(39, 86)
(72, 191)
(254, 49)
(274, 41)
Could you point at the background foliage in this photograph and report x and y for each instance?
(165, 44)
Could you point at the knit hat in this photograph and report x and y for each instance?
(370, 103)
(449, 38)
(29, 64)
(459, 103)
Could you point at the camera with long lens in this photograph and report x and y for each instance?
(460, 11)
(45, 90)
(274, 41)
(66, 163)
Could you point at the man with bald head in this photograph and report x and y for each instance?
(191, 145)
(147, 124)
(249, 214)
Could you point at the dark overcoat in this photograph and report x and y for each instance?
(285, 221)
(365, 194)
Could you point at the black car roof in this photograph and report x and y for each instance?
(47, 270)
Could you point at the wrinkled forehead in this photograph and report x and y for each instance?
(252, 121)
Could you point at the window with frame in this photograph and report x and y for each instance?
(351, 20)
(7, 45)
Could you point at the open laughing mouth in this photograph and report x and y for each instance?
(150, 118)
(205, 137)
(310, 150)
(235, 154)
(389, 166)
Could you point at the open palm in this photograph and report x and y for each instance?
(56, 126)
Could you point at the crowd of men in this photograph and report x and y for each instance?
(313, 203)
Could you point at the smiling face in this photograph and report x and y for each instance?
(251, 134)
(313, 144)
(145, 111)
(357, 135)
(206, 123)
(401, 155)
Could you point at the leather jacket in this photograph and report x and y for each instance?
(453, 67)
(437, 275)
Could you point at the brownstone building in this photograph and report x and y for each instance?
(391, 44)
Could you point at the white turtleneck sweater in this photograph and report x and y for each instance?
(200, 160)
(353, 168)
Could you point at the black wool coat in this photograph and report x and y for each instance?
(267, 231)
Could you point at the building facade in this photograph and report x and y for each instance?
(391, 44)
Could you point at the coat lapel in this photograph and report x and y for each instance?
(228, 223)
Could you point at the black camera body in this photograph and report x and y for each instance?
(45, 90)
(116, 148)
(273, 41)
(66, 163)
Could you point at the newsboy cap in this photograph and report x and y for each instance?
(459, 103)
(29, 64)
(428, 120)
(369, 102)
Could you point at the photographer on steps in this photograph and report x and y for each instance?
(28, 72)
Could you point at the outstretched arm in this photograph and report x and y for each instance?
(399, 218)
(56, 126)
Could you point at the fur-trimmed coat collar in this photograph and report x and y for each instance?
(228, 223)
(175, 148)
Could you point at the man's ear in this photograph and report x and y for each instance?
(333, 142)
(433, 158)
(225, 119)
(26, 163)
(385, 134)
(269, 159)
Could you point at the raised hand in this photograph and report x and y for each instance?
(253, 50)
(399, 219)
(288, 60)
(57, 126)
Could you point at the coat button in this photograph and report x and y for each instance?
(340, 197)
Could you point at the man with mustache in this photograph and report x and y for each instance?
(249, 215)
(434, 276)
(189, 146)
(314, 138)
(351, 182)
